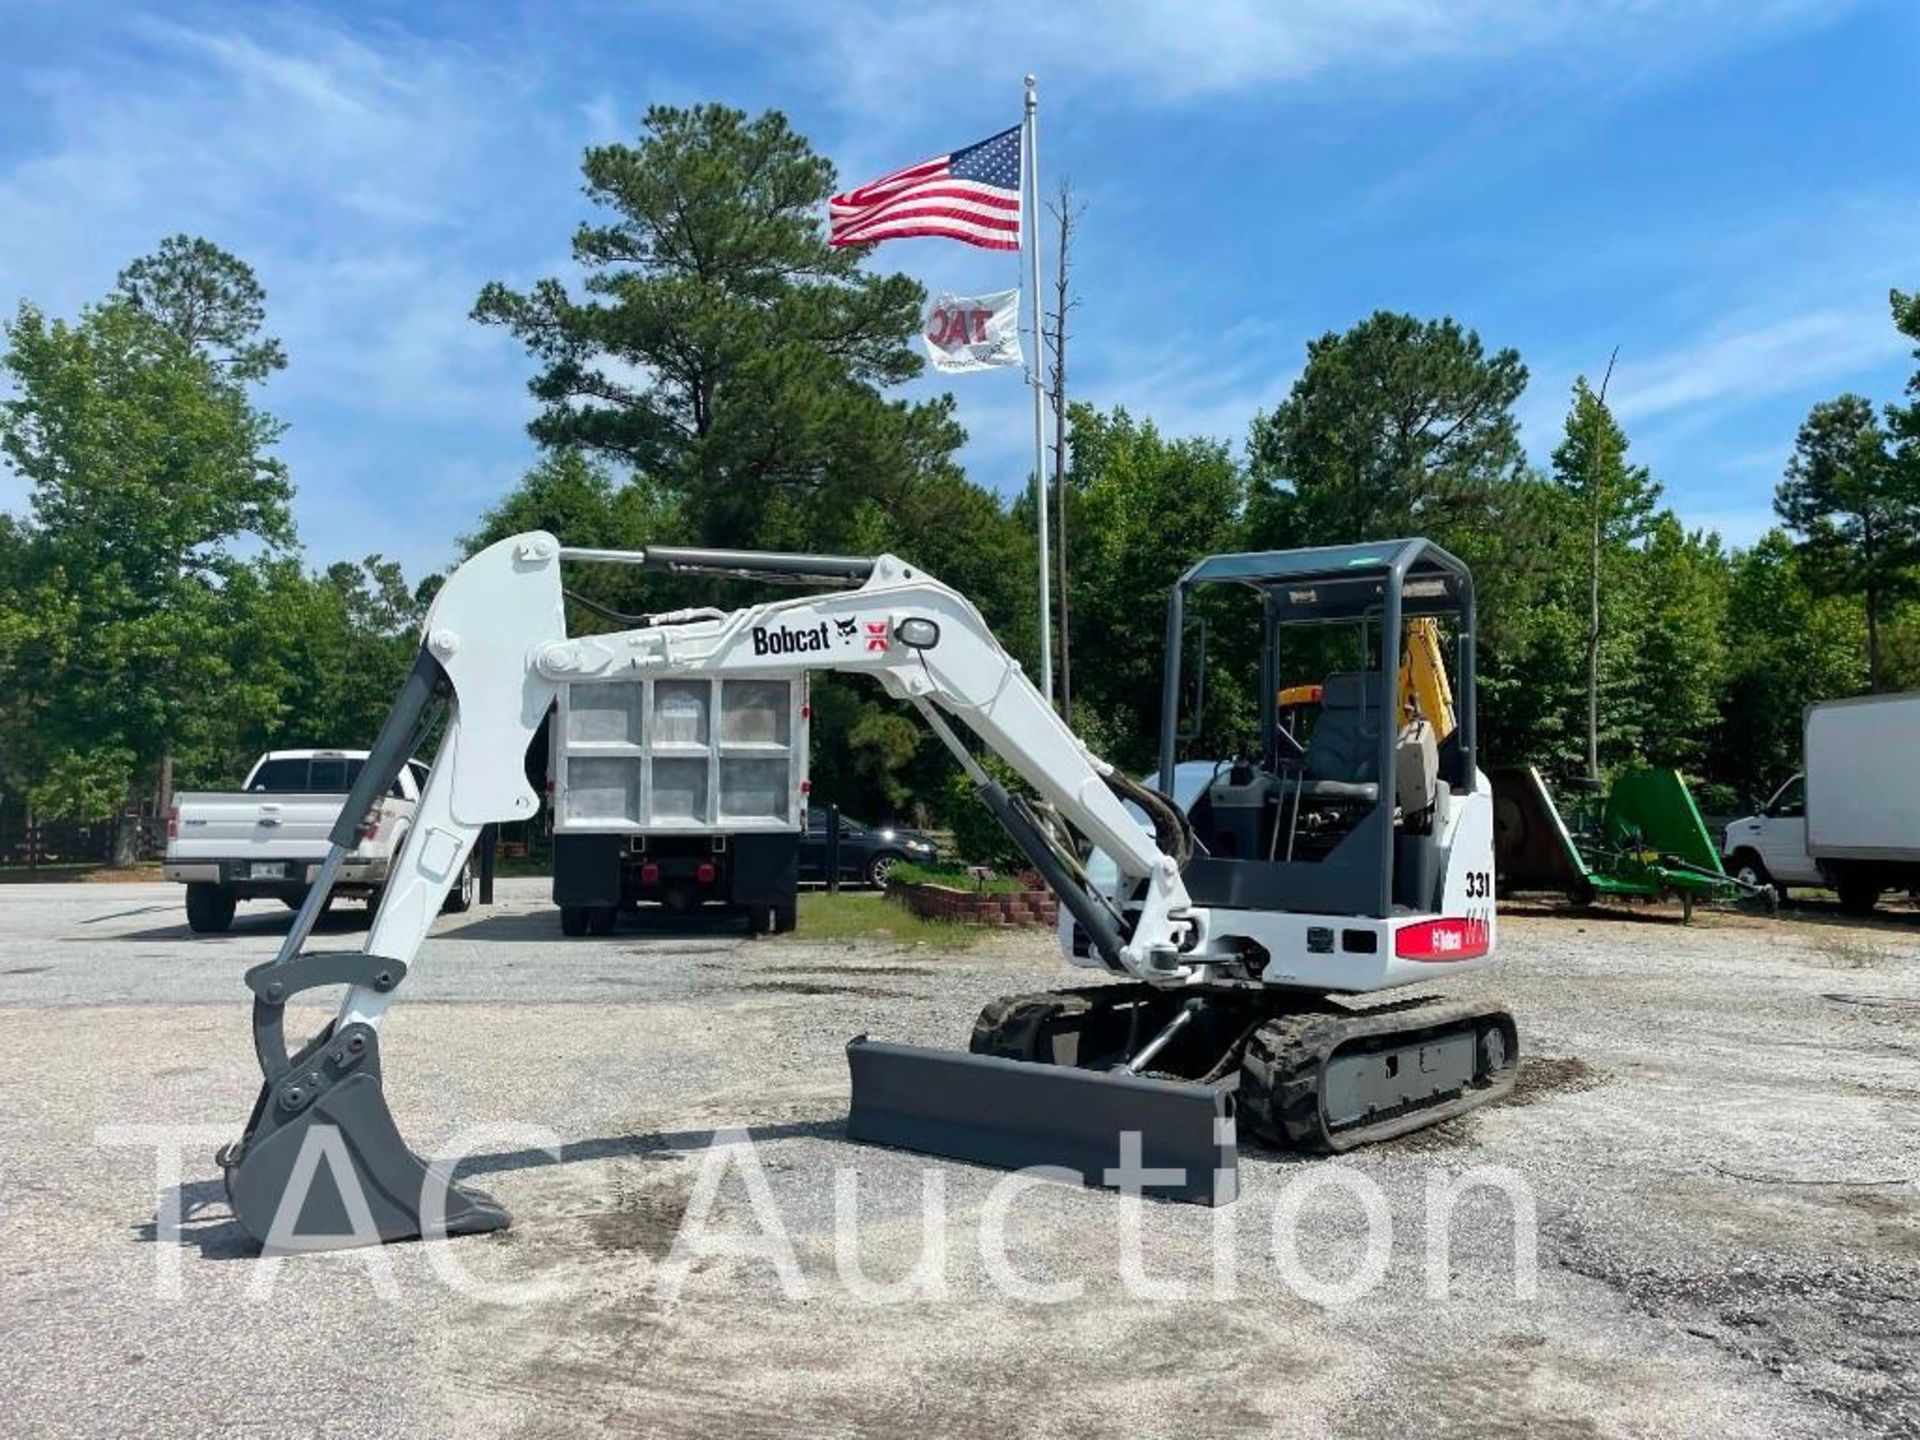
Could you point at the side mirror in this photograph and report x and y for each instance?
(1197, 708)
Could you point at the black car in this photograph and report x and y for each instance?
(867, 852)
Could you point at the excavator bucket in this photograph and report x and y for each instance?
(1074, 1123)
(322, 1165)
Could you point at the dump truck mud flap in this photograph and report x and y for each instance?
(1017, 1115)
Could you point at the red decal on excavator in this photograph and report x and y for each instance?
(876, 635)
(1449, 938)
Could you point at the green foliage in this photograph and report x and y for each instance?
(1142, 509)
(722, 377)
(882, 742)
(979, 838)
(148, 474)
(1615, 505)
(852, 916)
(957, 877)
(733, 364)
(721, 345)
(1614, 499)
(208, 300)
(1855, 503)
(85, 786)
(146, 462)
(1904, 420)
(1786, 647)
(341, 642)
(1397, 427)
(1673, 676)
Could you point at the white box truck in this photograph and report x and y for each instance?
(1851, 819)
(681, 792)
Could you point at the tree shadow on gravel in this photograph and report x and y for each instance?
(208, 1226)
(339, 920)
(544, 925)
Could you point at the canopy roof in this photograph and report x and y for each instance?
(1326, 562)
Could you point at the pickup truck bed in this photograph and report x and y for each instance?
(266, 841)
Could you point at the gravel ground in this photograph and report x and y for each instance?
(1716, 1126)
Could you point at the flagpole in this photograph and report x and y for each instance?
(1039, 398)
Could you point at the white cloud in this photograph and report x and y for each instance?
(374, 182)
(1775, 356)
(884, 56)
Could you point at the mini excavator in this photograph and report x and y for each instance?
(1234, 940)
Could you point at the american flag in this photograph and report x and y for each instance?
(972, 195)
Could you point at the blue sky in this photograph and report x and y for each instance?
(1724, 188)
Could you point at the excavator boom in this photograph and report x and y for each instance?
(1201, 983)
(495, 650)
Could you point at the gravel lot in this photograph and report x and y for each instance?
(1717, 1126)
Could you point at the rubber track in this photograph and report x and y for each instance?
(1016, 1027)
(1286, 1059)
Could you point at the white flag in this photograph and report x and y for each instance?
(964, 333)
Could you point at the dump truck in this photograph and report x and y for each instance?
(687, 793)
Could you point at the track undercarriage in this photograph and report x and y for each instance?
(1307, 1073)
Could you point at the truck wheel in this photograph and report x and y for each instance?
(1859, 893)
(1749, 870)
(460, 898)
(786, 918)
(602, 918)
(209, 908)
(573, 919)
(758, 919)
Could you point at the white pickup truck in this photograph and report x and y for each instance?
(266, 840)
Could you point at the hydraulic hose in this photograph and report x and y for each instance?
(1171, 832)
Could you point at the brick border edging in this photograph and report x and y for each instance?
(971, 907)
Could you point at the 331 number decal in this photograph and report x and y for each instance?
(1479, 884)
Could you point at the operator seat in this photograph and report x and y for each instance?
(1343, 757)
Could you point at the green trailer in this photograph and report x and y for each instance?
(1643, 840)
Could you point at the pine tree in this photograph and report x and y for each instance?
(1615, 502)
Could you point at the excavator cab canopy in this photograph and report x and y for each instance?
(1332, 824)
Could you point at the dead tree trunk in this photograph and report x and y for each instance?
(1068, 217)
(1596, 511)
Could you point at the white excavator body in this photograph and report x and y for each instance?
(1207, 918)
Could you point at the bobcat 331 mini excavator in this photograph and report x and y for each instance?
(1228, 929)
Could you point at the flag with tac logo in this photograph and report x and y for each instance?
(971, 195)
(964, 333)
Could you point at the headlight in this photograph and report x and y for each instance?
(918, 845)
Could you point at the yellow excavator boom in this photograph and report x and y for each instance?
(1425, 692)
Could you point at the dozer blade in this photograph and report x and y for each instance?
(1017, 1115)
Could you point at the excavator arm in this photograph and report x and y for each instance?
(495, 650)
